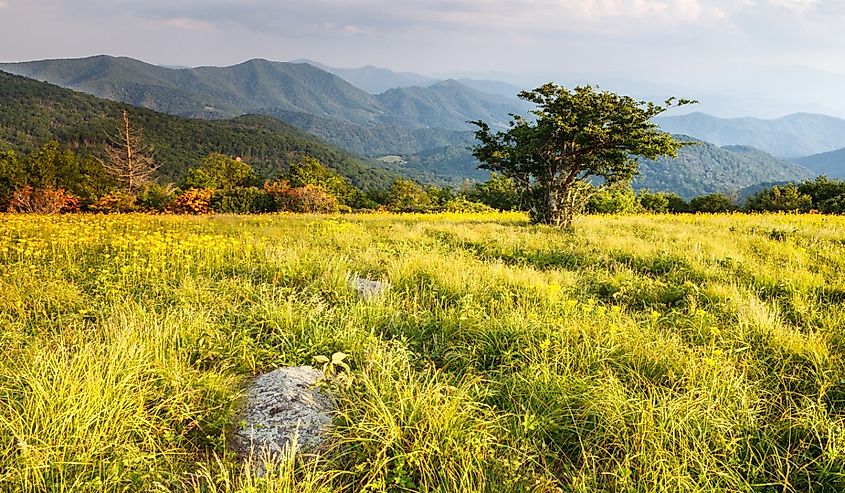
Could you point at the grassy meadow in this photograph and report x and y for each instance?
(634, 354)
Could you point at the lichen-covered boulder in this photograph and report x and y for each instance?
(282, 406)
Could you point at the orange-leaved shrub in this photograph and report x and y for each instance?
(308, 198)
(114, 202)
(43, 200)
(192, 201)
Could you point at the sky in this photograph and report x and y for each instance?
(756, 57)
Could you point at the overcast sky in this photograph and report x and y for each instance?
(787, 53)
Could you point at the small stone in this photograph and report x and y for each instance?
(282, 406)
(368, 288)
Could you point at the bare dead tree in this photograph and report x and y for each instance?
(129, 159)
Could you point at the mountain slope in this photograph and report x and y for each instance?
(831, 163)
(33, 112)
(449, 104)
(249, 87)
(706, 168)
(372, 140)
(799, 134)
(374, 80)
(210, 92)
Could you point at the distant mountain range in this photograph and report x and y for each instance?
(376, 80)
(261, 86)
(792, 136)
(425, 126)
(31, 113)
(831, 163)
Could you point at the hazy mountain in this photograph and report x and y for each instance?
(207, 91)
(492, 87)
(706, 168)
(373, 140)
(831, 163)
(32, 113)
(375, 80)
(799, 134)
(249, 87)
(449, 104)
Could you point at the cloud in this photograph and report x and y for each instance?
(185, 23)
(795, 5)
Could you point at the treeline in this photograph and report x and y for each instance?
(821, 195)
(52, 180)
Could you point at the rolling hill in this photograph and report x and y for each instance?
(258, 86)
(799, 134)
(32, 113)
(831, 163)
(374, 80)
(704, 168)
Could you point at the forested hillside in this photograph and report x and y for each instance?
(32, 113)
(703, 168)
(831, 163)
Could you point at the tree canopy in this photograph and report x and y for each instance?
(575, 136)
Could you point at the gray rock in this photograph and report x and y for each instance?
(281, 406)
(368, 288)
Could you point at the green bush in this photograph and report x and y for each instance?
(407, 196)
(833, 205)
(656, 202)
(221, 171)
(786, 198)
(461, 204)
(155, 197)
(499, 192)
(712, 203)
(242, 200)
(613, 201)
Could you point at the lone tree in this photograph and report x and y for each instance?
(577, 135)
(129, 159)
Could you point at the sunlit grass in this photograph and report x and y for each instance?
(635, 353)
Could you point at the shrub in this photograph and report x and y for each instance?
(676, 203)
(823, 189)
(309, 198)
(192, 201)
(657, 202)
(499, 192)
(461, 204)
(712, 203)
(313, 198)
(115, 202)
(780, 198)
(43, 201)
(307, 170)
(242, 200)
(613, 201)
(221, 171)
(155, 197)
(407, 196)
(833, 205)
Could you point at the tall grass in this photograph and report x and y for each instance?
(637, 353)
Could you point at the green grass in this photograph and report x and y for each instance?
(637, 353)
